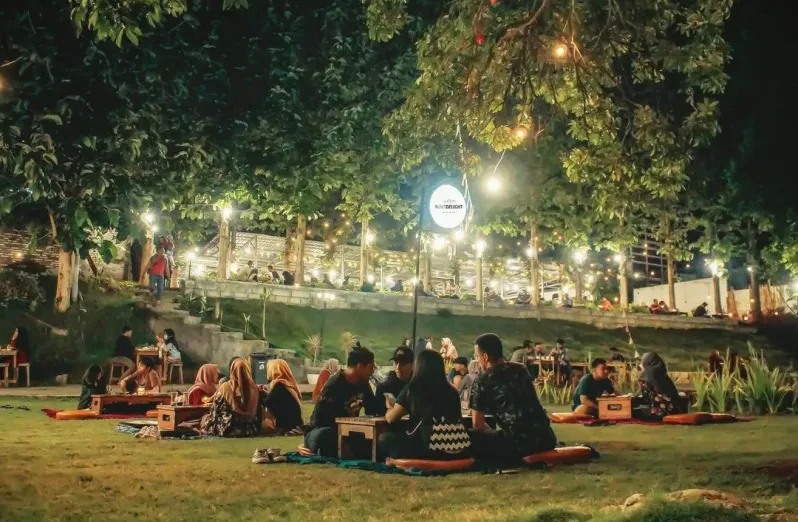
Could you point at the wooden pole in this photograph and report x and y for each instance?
(364, 250)
(301, 227)
(146, 254)
(623, 281)
(534, 265)
(671, 283)
(64, 283)
(224, 250)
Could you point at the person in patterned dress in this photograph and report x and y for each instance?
(236, 408)
(658, 395)
(507, 392)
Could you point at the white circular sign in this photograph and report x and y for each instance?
(447, 206)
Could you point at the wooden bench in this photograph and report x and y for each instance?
(170, 416)
(98, 402)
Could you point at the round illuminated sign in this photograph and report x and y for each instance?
(447, 206)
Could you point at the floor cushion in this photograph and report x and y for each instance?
(565, 455)
(723, 418)
(431, 465)
(75, 415)
(570, 418)
(688, 419)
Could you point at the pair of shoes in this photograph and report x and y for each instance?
(268, 456)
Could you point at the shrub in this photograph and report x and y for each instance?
(19, 290)
(443, 312)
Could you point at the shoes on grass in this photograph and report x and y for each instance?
(268, 456)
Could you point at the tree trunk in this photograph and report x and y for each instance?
(64, 283)
(426, 276)
(716, 294)
(754, 298)
(224, 250)
(75, 290)
(623, 282)
(578, 299)
(364, 251)
(478, 274)
(301, 228)
(289, 247)
(534, 265)
(456, 273)
(671, 283)
(146, 254)
(93, 266)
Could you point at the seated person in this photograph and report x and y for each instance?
(330, 368)
(658, 395)
(205, 385)
(170, 346)
(367, 287)
(701, 310)
(252, 274)
(288, 278)
(464, 388)
(284, 402)
(523, 298)
(235, 408)
(274, 274)
(19, 341)
(403, 359)
(566, 302)
(616, 355)
(591, 387)
(605, 305)
(715, 362)
(458, 371)
(663, 308)
(144, 376)
(397, 286)
(560, 355)
(326, 282)
(507, 392)
(93, 384)
(125, 352)
(654, 307)
(344, 395)
(436, 425)
(521, 354)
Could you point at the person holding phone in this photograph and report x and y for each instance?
(403, 358)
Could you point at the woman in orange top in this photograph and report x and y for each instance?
(331, 367)
(145, 376)
(205, 384)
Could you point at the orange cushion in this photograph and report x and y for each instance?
(723, 418)
(431, 465)
(75, 415)
(570, 418)
(152, 414)
(566, 455)
(688, 419)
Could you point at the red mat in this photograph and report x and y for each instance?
(51, 413)
(598, 422)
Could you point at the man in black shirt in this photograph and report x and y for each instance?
(125, 352)
(403, 359)
(344, 395)
(506, 391)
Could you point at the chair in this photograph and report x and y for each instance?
(4, 366)
(113, 379)
(26, 366)
(172, 366)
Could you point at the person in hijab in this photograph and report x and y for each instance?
(235, 410)
(223, 379)
(658, 395)
(448, 351)
(93, 384)
(284, 401)
(145, 376)
(205, 385)
(330, 368)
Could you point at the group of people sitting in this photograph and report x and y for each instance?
(530, 354)
(419, 389)
(658, 307)
(658, 395)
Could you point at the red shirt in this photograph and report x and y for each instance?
(158, 265)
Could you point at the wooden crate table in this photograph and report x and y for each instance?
(170, 417)
(13, 371)
(614, 408)
(370, 427)
(100, 401)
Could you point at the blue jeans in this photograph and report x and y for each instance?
(156, 285)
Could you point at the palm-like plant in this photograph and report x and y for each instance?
(314, 345)
(348, 340)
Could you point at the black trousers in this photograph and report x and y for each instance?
(399, 445)
(322, 441)
(495, 447)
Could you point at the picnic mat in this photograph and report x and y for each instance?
(51, 413)
(377, 467)
(594, 423)
(149, 430)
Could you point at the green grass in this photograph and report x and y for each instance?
(289, 326)
(85, 471)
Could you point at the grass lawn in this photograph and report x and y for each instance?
(289, 326)
(85, 471)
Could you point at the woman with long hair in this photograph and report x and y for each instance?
(330, 368)
(284, 402)
(436, 426)
(145, 376)
(93, 383)
(236, 410)
(658, 394)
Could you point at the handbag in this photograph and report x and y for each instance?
(442, 436)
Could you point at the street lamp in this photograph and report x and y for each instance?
(226, 213)
(560, 50)
(459, 235)
(521, 133)
(191, 257)
(438, 243)
(493, 185)
(147, 217)
(579, 256)
(370, 237)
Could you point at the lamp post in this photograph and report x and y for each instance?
(191, 256)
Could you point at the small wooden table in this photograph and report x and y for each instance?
(152, 352)
(370, 427)
(99, 401)
(170, 417)
(615, 408)
(13, 371)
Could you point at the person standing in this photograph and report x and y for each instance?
(506, 391)
(448, 351)
(158, 268)
(124, 353)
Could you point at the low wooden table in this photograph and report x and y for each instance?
(13, 371)
(170, 417)
(615, 408)
(99, 401)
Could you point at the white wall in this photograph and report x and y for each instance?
(689, 294)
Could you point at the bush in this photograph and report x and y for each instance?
(19, 290)
(444, 312)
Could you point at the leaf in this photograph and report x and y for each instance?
(113, 217)
(108, 251)
(81, 216)
(55, 118)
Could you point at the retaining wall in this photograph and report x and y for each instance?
(317, 297)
